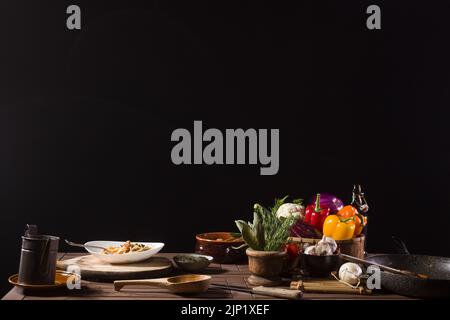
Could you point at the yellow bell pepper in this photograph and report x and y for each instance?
(338, 228)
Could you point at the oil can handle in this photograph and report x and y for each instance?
(31, 230)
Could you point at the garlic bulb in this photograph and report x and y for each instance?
(330, 242)
(323, 249)
(311, 250)
(350, 272)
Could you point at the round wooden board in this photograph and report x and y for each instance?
(92, 268)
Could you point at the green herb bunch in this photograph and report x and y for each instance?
(267, 232)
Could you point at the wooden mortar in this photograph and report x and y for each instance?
(266, 267)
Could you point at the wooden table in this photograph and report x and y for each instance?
(227, 274)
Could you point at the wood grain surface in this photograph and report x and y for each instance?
(226, 274)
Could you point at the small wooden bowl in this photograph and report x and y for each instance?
(221, 246)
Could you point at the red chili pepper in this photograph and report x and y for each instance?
(315, 214)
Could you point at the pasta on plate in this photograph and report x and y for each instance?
(127, 247)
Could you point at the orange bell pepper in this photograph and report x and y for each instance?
(349, 212)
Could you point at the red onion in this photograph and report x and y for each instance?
(305, 231)
(328, 200)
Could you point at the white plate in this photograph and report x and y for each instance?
(131, 257)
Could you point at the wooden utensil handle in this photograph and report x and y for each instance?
(321, 289)
(162, 283)
(278, 292)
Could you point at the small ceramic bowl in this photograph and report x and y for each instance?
(221, 246)
(192, 262)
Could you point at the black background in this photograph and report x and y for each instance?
(86, 116)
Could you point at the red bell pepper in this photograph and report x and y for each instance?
(315, 214)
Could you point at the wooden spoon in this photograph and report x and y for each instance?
(191, 283)
(384, 268)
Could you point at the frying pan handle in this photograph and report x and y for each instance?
(400, 245)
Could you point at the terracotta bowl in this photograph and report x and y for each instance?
(220, 245)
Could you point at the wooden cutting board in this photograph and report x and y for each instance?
(92, 268)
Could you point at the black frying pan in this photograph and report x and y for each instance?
(437, 285)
